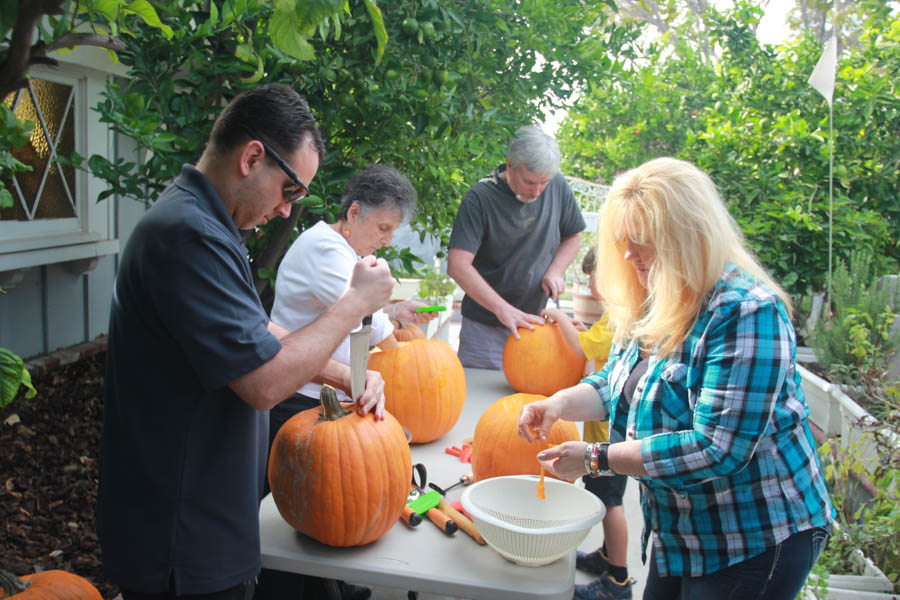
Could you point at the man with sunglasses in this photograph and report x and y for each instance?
(194, 364)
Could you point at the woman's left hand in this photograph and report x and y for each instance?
(372, 399)
(565, 461)
(406, 311)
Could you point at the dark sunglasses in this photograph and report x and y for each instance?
(291, 194)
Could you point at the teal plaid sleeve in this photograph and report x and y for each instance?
(747, 352)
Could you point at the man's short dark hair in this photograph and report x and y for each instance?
(274, 113)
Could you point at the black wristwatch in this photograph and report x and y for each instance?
(603, 460)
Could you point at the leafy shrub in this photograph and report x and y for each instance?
(854, 342)
(435, 285)
(868, 509)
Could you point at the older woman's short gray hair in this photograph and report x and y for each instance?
(379, 186)
(535, 150)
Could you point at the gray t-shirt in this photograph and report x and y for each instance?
(513, 242)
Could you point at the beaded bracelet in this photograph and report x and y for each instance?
(595, 460)
(587, 458)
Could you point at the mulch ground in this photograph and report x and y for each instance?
(49, 447)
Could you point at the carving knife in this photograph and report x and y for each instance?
(359, 357)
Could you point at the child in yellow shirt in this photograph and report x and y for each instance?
(610, 560)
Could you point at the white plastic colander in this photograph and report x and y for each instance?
(525, 529)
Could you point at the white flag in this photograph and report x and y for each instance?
(822, 77)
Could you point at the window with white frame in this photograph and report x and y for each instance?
(53, 218)
(48, 190)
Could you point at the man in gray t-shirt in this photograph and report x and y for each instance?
(516, 232)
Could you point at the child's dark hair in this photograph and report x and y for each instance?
(587, 263)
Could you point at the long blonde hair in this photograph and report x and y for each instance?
(674, 207)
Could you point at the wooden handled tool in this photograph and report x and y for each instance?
(410, 517)
(426, 504)
(442, 520)
(461, 520)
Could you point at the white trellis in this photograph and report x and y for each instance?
(589, 196)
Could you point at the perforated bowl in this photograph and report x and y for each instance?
(525, 529)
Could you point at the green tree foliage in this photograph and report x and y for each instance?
(754, 124)
(439, 104)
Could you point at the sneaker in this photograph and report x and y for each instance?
(593, 562)
(604, 588)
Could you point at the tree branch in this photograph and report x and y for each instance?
(13, 70)
(86, 39)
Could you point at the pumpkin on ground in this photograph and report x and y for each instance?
(405, 332)
(47, 585)
(497, 448)
(424, 386)
(540, 361)
(337, 476)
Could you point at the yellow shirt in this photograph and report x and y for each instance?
(596, 342)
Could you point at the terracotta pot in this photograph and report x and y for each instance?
(586, 309)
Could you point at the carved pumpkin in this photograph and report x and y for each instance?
(338, 477)
(47, 585)
(424, 386)
(497, 448)
(405, 332)
(540, 361)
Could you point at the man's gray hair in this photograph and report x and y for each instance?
(535, 150)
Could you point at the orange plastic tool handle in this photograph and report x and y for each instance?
(410, 517)
(443, 522)
(461, 520)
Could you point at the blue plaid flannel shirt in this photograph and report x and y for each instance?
(724, 434)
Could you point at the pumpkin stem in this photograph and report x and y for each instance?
(11, 584)
(331, 408)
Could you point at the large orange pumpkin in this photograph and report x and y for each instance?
(497, 448)
(424, 386)
(540, 361)
(405, 332)
(339, 477)
(47, 585)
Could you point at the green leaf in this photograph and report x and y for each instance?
(380, 32)
(107, 8)
(312, 12)
(258, 74)
(13, 374)
(145, 11)
(6, 198)
(246, 53)
(286, 38)
(213, 15)
(9, 12)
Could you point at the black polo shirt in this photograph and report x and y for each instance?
(183, 458)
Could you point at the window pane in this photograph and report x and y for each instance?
(47, 192)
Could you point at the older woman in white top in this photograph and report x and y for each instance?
(317, 267)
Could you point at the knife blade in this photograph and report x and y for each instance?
(359, 357)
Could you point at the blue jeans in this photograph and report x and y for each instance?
(777, 574)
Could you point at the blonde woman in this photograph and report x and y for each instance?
(702, 396)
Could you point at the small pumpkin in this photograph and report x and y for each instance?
(497, 448)
(424, 386)
(540, 361)
(405, 332)
(339, 477)
(47, 585)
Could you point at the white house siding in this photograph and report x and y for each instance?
(60, 302)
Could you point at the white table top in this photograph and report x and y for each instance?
(424, 559)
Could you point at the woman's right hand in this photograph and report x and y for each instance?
(536, 419)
